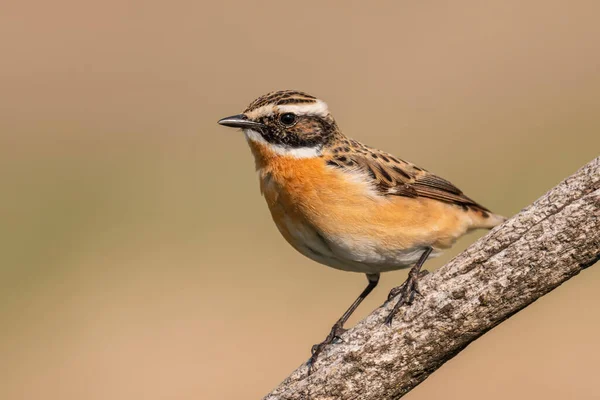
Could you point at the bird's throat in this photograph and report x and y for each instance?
(265, 153)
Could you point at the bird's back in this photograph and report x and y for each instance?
(341, 209)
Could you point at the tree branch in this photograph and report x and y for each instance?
(531, 254)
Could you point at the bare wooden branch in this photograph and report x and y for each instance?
(531, 254)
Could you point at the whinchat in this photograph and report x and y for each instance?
(347, 205)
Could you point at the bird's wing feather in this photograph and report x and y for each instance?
(393, 176)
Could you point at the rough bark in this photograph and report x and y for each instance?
(534, 252)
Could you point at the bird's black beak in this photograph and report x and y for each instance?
(239, 121)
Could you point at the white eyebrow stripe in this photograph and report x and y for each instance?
(317, 108)
(264, 111)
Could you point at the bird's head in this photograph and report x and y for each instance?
(288, 122)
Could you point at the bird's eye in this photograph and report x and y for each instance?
(287, 119)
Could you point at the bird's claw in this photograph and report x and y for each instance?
(406, 293)
(398, 289)
(335, 334)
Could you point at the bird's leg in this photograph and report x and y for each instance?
(338, 328)
(409, 287)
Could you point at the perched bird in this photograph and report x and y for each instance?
(347, 205)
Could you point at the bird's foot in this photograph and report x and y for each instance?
(405, 292)
(336, 332)
(398, 289)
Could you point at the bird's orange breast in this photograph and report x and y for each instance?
(307, 197)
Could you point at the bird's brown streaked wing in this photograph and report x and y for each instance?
(434, 187)
(392, 176)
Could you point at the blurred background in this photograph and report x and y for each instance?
(137, 257)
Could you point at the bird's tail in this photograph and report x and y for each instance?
(488, 220)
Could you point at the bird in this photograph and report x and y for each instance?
(349, 206)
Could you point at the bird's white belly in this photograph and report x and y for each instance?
(351, 253)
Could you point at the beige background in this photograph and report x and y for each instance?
(137, 259)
